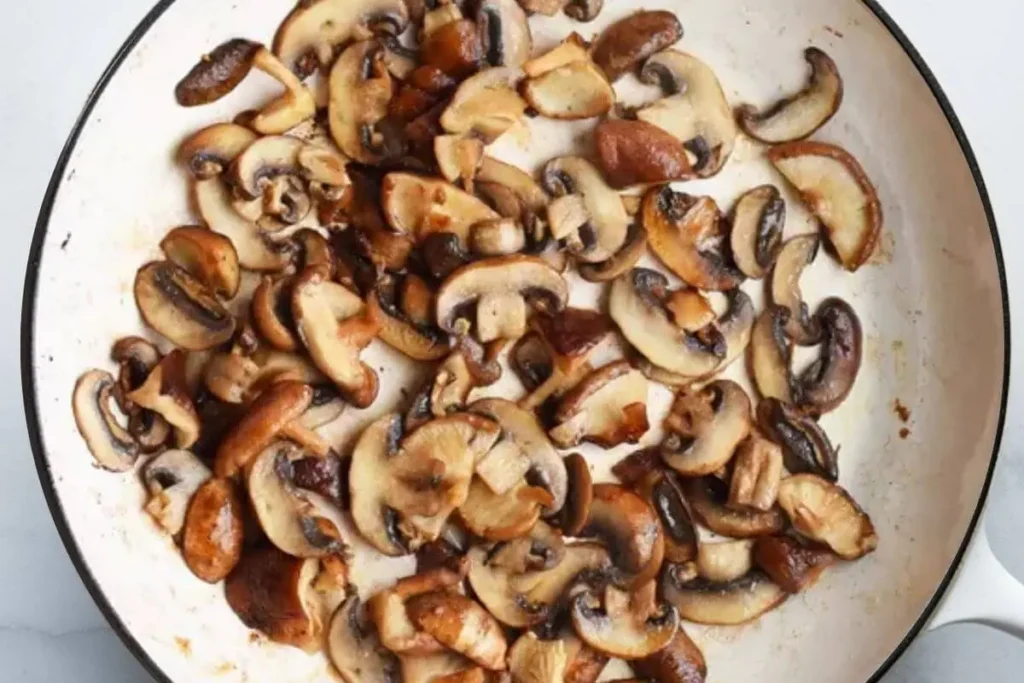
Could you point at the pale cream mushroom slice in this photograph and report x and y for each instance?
(485, 104)
(496, 290)
(504, 32)
(704, 428)
(207, 255)
(796, 255)
(608, 407)
(825, 512)
(756, 474)
(93, 403)
(542, 548)
(694, 110)
(771, 355)
(725, 561)
(586, 213)
(462, 625)
(208, 152)
(501, 237)
(215, 204)
(458, 158)
(164, 392)
(419, 207)
(564, 83)
(360, 89)
(354, 649)
(532, 660)
(756, 223)
(180, 307)
(721, 604)
(311, 34)
(335, 326)
(506, 516)
(237, 377)
(835, 187)
(469, 366)
(171, 479)
(625, 625)
(798, 116)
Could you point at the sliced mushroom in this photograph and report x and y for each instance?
(565, 84)
(388, 611)
(633, 469)
(629, 626)
(542, 548)
(828, 381)
(796, 254)
(497, 288)
(579, 496)
(694, 110)
(416, 340)
(354, 649)
(583, 10)
(462, 625)
(834, 186)
(530, 198)
(548, 8)
(731, 604)
(826, 513)
(439, 16)
(179, 307)
(136, 358)
(335, 327)
(608, 407)
(771, 353)
(458, 158)
(806, 447)
(443, 667)
(236, 377)
(639, 153)
(629, 526)
(110, 444)
(621, 262)
(725, 561)
(597, 229)
(756, 473)
(757, 220)
(455, 48)
(504, 32)
(419, 207)
(704, 428)
(360, 88)
(532, 660)
(271, 310)
(522, 600)
(208, 152)
(707, 499)
(500, 237)
(164, 392)
(681, 661)
(485, 104)
(791, 564)
(623, 45)
(212, 534)
(213, 200)
(171, 479)
(209, 257)
(662, 491)
(461, 372)
(688, 235)
(797, 116)
(219, 72)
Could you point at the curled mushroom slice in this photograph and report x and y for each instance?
(212, 534)
(681, 661)
(208, 152)
(388, 610)
(588, 215)
(179, 307)
(110, 444)
(505, 516)
(485, 104)
(621, 262)
(725, 561)
(608, 407)
(636, 152)
(498, 288)
(136, 358)
(354, 649)
(826, 513)
(623, 45)
(335, 326)
(707, 499)
(504, 32)
(171, 479)
(688, 235)
(694, 109)
(704, 428)
(629, 526)
(771, 353)
(462, 625)
(626, 625)
(806, 447)
(164, 392)
(755, 237)
(826, 383)
(271, 310)
(417, 340)
(730, 604)
(579, 495)
(465, 369)
(542, 548)
(799, 115)
(566, 84)
(420, 207)
(529, 198)
(237, 377)
(757, 471)
(208, 256)
(312, 32)
(213, 200)
(834, 186)
(360, 88)
(796, 254)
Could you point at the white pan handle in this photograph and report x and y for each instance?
(982, 592)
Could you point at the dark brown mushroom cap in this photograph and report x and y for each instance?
(662, 491)
(707, 499)
(622, 46)
(630, 528)
(731, 604)
(580, 495)
(805, 445)
(217, 73)
(454, 48)
(681, 661)
(179, 307)
(828, 381)
(635, 152)
(791, 564)
(212, 540)
(207, 255)
(271, 309)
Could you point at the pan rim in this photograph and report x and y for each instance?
(30, 295)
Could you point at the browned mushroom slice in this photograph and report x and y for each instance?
(730, 604)
(458, 158)
(212, 540)
(312, 32)
(235, 377)
(834, 186)
(770, 355)
(110, 444)
(444, 667)
(826, 383)
(707, 499)
(662, 491)
(704, 428)
(179, 307)
(796, 254)
(579, 496)
(271, 310)
(528, 197)
(681, 661)
(542, 548)
(757, 220)
(791, 564)
(688, 235)
(335, 327)
(504, 32)
(485, 104)
(566, 84)
(354, 649)
(587, 215)
(388, 611)
(454, 48)
(164, 392)
(757, 471)
(360, 88)
(213, 200)
(520, 600)
(621, 262)
(630, 528)
(419, 207)
(625, 625)
(207, 152)
(416, 340)
(826, 513)
(465, 369)
(608, 407)
(694, 110)
(623, 45)
(496, 290)
(462, 625)
(806, 447)
(636, 152)
(799, 115)
(532, 660)
(635, 467)
(208, 256)
(583, 10)
(502, 517)
(278, 406)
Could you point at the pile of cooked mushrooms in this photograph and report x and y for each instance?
(362, 205)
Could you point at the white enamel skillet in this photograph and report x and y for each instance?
(936, 289)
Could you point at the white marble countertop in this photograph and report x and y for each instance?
(53, 51)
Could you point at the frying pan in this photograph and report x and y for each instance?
(933, 306)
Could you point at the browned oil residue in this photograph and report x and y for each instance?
(904, 433)
(184, 645)
(837, 34)
(902, 412)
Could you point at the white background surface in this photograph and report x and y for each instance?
(53, 51)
